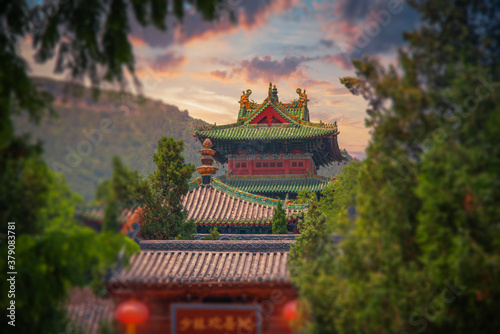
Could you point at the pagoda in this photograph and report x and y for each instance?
(273, 149)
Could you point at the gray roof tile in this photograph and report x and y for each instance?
(204, 267)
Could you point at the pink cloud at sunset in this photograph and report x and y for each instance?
(203, 66)
(136, 41)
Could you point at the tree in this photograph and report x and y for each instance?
(279, 220)
(124, 183)
(120, 192)
(313, 254)
(110, 221)
(338, 199)
(422, 251)
(90, 39)
(312, 272)
(163, 214)
(56, 256)
(213, 235)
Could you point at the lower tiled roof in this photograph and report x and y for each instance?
(185, 268)
(87, 311)
(207, 204)
(276, 185)
(216, 204)
(96, 214)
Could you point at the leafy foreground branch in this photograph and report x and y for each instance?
(423, 252)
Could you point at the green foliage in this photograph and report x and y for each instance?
(423, 253)
(457, 231)
(163, 214)
(213, 235)
(107, 327)
(304, 196)
(53, 253)
(279, 220)
(104, 191)
(311, 271)
(110, 221)
(121, 191)
(23, 185)
(56, 256)
(124, 183)
(338, 200)
(314, 252)
(335, 168)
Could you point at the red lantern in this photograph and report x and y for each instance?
(132, 313)
(290, 311)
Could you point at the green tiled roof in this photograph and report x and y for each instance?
(254, 132)
(276, 185)
(220, 184)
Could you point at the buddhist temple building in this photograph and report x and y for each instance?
(224, 286)
(239, 283)
(273, 149)
(272, 152)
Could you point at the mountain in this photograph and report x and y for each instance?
(81, 141)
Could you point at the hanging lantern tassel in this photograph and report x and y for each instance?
(132, 313)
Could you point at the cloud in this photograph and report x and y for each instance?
(309, 82)
(341, 91)
(266, 69)
(169, 60)
(326, 42)
(353, 10)
(320, 6)
(164, 65)
(220, 74)
(335, 103)
(250, 15)
(136, 41)
(332, 116)
(340, 59)
(361, 27)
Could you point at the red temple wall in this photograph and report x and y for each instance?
(272, 301)
(270, 167)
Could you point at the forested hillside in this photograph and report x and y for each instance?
(82, 140)
(86, 134)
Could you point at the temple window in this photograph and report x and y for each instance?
(258, 164)
(272, 164)
(280, 164)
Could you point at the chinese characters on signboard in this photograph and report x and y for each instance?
(215, 318)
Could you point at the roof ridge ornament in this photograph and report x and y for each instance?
(244, 99)
(302, 98)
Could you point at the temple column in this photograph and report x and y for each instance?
(250, 166)
(286, 163)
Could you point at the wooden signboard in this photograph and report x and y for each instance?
(215, 319)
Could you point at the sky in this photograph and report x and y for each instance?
(203, 67)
